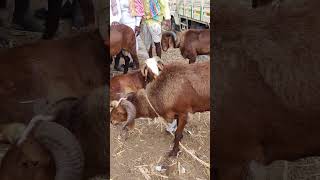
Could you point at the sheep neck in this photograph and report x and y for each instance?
(143, 106)
(178, 40)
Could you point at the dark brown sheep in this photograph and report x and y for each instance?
(50, 70)
(122, 39)
(179, 89)
(192, 42)
(266, 97)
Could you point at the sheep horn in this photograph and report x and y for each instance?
(113, 104)
(144, 71)
(64, 147)
(131, 111)
(160, 65)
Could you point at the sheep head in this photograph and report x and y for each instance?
(48, 151)
(124, 111)
(168, 39)
(151, 69)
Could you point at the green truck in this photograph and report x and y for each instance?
(186, 14)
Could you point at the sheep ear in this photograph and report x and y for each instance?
(144, 70)
(160, 65)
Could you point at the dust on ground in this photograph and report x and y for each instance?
(149, 143)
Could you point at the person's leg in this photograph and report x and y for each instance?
(20, 10)
(52, 22)
(155, 30)
(150, 51)
(22, 17)
(146, 37)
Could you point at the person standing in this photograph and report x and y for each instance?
(115, 12)
(155, 12)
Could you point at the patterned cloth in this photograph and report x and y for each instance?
(114, 7)
(154, 9)
(136, 8)
(155, 15)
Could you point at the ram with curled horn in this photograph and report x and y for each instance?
(180, 89)
(57, 145)
(47, 152)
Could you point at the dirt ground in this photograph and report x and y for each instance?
(148, 143)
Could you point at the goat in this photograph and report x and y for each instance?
(122, 39)
(131, 82)
(56, 145)
(267, 101)
(191, 42)
(179, 89)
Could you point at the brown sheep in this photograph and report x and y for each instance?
(122, 39)
(50, 70)
(179, 89)
(132, 82)
(192, 42)
(266, 97)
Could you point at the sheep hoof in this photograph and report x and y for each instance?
(124, 133)
(173, 153)
(118, 68)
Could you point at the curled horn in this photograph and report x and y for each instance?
(144, 71)
(64, 147)
(113, 104)
(131, 111)
(160, 65)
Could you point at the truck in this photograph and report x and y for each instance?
(186, 14)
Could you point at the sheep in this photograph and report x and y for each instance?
(123, 84)
(50, 70)
(122, 40)
(179, 89)
(57, 145)
(266, 96)
(192, 42)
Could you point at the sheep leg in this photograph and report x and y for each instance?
(150, 51)
(126, 64)
(181, 122)
(116, 62)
